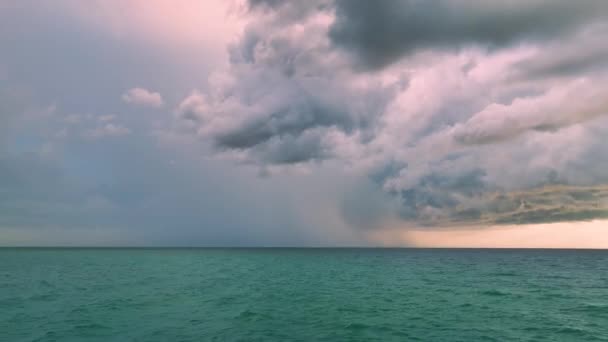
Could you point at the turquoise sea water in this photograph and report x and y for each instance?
(302, 295)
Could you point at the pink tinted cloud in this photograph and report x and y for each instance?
(143, 97)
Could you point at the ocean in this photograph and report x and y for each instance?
(295, 294)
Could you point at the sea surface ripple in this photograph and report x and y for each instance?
(303, 295)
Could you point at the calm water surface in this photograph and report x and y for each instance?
(303, 295)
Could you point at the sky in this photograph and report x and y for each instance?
(460, 123)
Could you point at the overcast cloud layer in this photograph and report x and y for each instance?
(275, 122)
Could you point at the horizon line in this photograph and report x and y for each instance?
(305, 247)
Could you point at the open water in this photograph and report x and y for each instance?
(303, 295)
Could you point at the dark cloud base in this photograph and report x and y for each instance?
(378, 33)
(558, 203)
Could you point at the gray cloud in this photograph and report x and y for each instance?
(380, 32)
(143, 97)
(289, 11)
(441, 133)
(287, 125)
(548, 112)
(283, 94)
(268, 3)
(553, 61)
(460, 134)
(461, 197)
(433, 198)
(541, 205)
(565, 64)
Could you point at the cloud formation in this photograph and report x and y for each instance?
(442, 104)
(143, 97)
(285, 98)
(379, 33)
(343, 117)
(549, 112)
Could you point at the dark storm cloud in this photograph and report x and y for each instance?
(380, 32)
(290, 149)
(296, 9)
(437, 194)
(554, 61)
(281, 97)
(289, 119)
(288, 11)
(268, 3)
(542, 205)
(441, 135)
(467, 199)
(560, 65)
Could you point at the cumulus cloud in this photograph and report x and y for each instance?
(143, 97)
(284, 94)
(461, 101)
(561, 106)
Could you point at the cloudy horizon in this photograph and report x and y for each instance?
(291, 123)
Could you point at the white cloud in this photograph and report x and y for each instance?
(143, 97)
